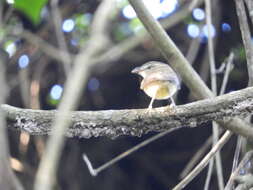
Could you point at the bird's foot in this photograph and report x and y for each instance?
(171, 109)
(149, 110)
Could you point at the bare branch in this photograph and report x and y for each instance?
(211, 58)
(249, 4)
(246, 37)
(47, 48)
(57, 19)
(136, 122)
(8, 180)
(73, 89)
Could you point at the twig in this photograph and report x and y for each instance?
(237, 154)
(209, 172)
(229, 67)
(211, 47)
(201, 151)
(8, 178)
(193, 50)
(57, 19)
(211, 57)
(249, 4)
(204, 162)
(47, 169)
(48, 49)
(96, 171)
(236, 172)
(246, 37)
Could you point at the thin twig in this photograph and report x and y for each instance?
(249, 4)
(204, 162)
(96, 171)
(197, 156)
(236, 172)
(213, 87)
(211, 57)
(193, 50)
(229, 67)
(56, 15)
(246, 37)
(209, 172)
(47, 48)
(8, 178)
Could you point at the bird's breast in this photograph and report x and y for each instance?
(159, 89)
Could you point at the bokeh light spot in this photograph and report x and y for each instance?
(198, 14)
(93, 84)
(212, 31)
(225, 27)
(158, 8)
(129, 12)
(10, 1)
(168, 7)
(56, 92)
(68, 25)
(23, 61)
(193, 30)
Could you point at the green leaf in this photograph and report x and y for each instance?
(31, 8)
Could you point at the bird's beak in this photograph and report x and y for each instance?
(136, 70)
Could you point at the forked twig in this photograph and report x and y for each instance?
(95, 172)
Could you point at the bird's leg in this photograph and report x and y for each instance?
(171, 108)
(172, 102)
(151, 103)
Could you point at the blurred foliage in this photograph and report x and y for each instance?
(31, 8)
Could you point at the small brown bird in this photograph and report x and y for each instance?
(159, 81)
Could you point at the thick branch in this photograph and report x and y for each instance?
(136, 122)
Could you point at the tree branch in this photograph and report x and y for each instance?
(136, 122)
(72, 93)
(246, 37)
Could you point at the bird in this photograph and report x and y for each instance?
(159, 81)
